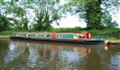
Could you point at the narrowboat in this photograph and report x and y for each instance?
(80, 38)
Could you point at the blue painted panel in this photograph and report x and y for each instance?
(67, 35)
(41, 35)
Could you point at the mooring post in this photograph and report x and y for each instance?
(106, 44)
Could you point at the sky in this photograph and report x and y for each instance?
(70, 21)
(116, 17)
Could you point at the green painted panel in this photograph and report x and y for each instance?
(58, 36)
(67, 35)
(24, 34)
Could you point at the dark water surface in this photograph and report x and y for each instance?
(22, 55)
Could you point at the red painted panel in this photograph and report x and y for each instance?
(53, 35)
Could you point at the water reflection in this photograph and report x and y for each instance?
(111, 58)
(53, 56)
(12, 53)
(33, 57)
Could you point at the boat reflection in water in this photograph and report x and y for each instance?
(53, 56)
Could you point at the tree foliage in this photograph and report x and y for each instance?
(93, 12)
(43, 21)
(46, 14)
(15, 13)
(107, 21)
(4, 23)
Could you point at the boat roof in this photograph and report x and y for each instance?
(51, 32)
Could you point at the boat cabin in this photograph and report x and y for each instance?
(82, 35)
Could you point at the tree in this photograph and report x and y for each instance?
(18, 19)
(107, 21)
(1, 1)
(46, 13)
(25, 23)
(4, 23)
(19, 10)
(93, 12)
(43, 21)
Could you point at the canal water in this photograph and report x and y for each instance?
(23, 55)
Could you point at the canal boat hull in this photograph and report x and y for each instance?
(59, 40)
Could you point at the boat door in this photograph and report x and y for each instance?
(54, 36)
(89, 36)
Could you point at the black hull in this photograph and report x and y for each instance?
(59, 40)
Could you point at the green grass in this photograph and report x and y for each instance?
(6, 33)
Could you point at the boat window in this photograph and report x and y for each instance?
(28, 35)
(75, 36)
(47, 35)
(17, 35)
(81, 36)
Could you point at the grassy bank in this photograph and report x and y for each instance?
(5, 34)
